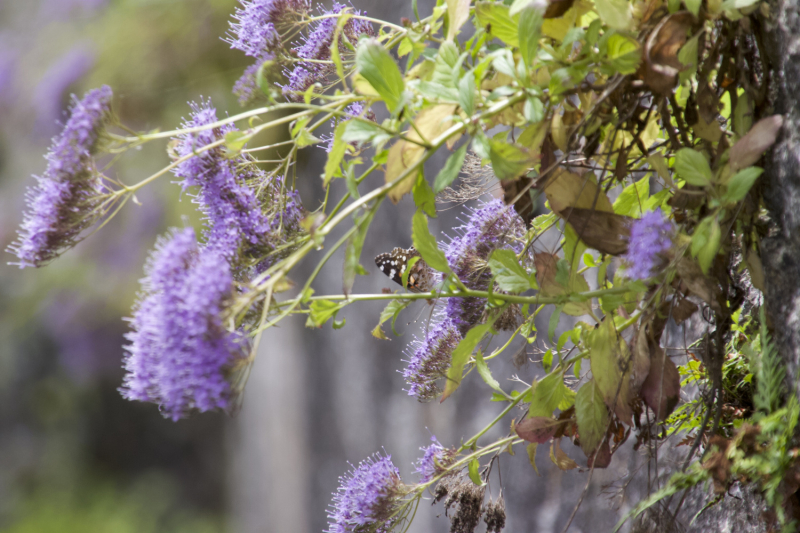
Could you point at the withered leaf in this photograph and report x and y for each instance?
(606, 232)
(602, 458)
(611, 368)
(700, 285)
(660, 65)
(557, 8)
(546, 270)
(682, 310)
(566, 189)
(662, 388)
(524, 205)
(560, 458)
(539, 429)
(761, 136)
(641, 357)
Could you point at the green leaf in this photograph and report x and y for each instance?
(530, 30)
(623, 53)
(531, 449)
(461, 356)
(457, 15)
(379, 69)
(743, 115)
(451, 169)
(235, 141)
(496, 17)
(485, 373)
(509, 161)
(305, 138)
(693, 167)
(615, 13)
(547, 396)
(533, 111)
(447, 66)
(474, 475)
(553, 324)
(632, 198)
(611, 361)
(321, 311)
(392, 310)
(688, 57)
(336, 154)
(509, 274)
(592, 416)
(466, 93)
(740, 184)
(362, 131)
(707, 253)
(693, 6)
(424, 198)
(352, 252)
(426, 244)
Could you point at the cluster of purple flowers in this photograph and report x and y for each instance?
(492, 226)
(434, 461)
(259, 33)
(367, 497)
(68, 196)
(430, 358)
(239, 227)
(180, 351)
(651, 235)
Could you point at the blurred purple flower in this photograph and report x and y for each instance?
(431, 359)
(63, 203)
(232, 212)
(651, 235)
(492, 226)
(48, 96)
(367, 496)
(179, 349)
(435, 458)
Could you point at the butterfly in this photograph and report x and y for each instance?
(394, 264)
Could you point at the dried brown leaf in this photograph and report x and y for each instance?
(606, 232)
(761, 136)
(660, 65)
(662, 388)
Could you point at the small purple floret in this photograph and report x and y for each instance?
(64, 202)
(179, 348)
(431, 359)
(366, 496)
(256, 30)
(434, 458)
(651, 235)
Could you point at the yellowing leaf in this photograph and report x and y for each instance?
(458, 13)
(403, 155)
(496, 18)
(615, 13)
(566, 189)
(611, 369)
(560, 458)
(592, 416)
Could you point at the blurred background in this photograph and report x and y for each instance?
(74, 456)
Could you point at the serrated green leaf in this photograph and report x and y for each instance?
(457, 15)
(632, 198)
(530, 30)
(466, 93)
(305, 138)
(496, 17)
(426, 244)
(461, 356)
(592, 416)
(547, 396)
(379, 69)
(741, 183)
(485, 373)
(509, 161)
(424, 198)
(352, 253)
(362, 131)
(446, 66)
(533, 111)
(508, 273)
(623, 53)
(336, 154)
(615, 13)
(451, 169)
(693, 167)
(321, 311)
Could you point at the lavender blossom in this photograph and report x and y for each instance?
(179, 349)
(491, 227)
(66, 199)
(434, 461)
(367, 496)
(651, 235)
(231, 208)
(431, 359)
(256, 32)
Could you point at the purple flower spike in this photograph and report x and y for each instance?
(179, 350)
(435, 459)
(255, 32)
(232, 211)
(367, 496)
(490, 227)
(651, 235)
(431, 360)
(66, 199)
